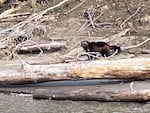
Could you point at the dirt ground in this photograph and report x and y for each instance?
(60, 25)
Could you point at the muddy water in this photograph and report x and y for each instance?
(18, 103)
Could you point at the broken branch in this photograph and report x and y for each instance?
(135, 46)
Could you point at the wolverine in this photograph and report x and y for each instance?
(102, 47)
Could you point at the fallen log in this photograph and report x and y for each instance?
(35, 47)
(94, 95)
(135, 68)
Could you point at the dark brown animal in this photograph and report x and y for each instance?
(103, 48)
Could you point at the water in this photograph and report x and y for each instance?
(21, 104)
(18, 103)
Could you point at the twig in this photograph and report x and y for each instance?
(77, 6)
(136, 12)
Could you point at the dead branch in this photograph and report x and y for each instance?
(136, 12)
(135, 46)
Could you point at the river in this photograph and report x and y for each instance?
(24, 103)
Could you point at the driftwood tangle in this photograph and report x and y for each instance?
(94, 95)
(137, 68)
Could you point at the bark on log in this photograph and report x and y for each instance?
(136, 68)
(95, 95)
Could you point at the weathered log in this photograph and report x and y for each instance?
(137, 68)
(30, 47)
(95, 95)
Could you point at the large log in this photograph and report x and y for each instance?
(94, 95)
(137, 68)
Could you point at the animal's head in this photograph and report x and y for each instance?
(85, 45)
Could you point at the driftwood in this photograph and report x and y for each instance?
(137, 68)
(94, 95)
(26, 28)
(35, 47)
